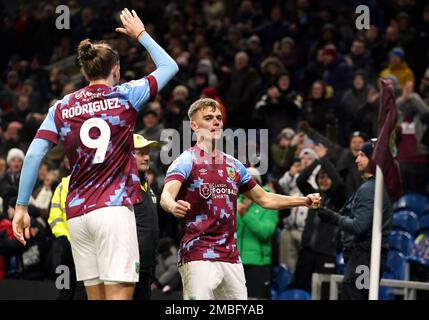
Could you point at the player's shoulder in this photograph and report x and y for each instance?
(184, 159)
(188, 154)
(231, 161)
(127, 86)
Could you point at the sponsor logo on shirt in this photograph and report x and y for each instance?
(216, 190)
(205, 190)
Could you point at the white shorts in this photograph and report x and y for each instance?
(213, 280)
(104, 245)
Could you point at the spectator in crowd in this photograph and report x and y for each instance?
(293, 225)
(353, 99)
(282, 152)
(355, 221)
(424, 86)
(10, 182)
(318, 110)
(241, 85)
(336, 73)
(255, 228)
(279, 107)
(343, 158)
(146, 219)
(319, 240)
(3, 167)
(398, 67)
(359, 58)
(413, 147)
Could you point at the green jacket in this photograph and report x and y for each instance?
(254, 231)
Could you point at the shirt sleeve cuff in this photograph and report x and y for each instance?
(249, 185)
(47, 135)
(175, 176)
(153, 87)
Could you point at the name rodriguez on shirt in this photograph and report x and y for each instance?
(90, 108)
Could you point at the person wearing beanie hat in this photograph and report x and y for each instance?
(14, 160)
(398, 67)
(355, 222)
(309, 153)
(14, 153)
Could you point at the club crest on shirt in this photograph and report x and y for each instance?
(205, 190)
(231, 172)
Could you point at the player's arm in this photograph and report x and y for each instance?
(274, 201)
(30, 169)
(168, 199)
(140, 91)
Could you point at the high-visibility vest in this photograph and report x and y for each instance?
(57, 216)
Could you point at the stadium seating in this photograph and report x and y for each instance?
(395, 264)
(386, 293)
(401, 241)
(413, 201)
(282, 278)
(406, 220)
(294, 295)
(424, 223)
(395, 269)
(340, 264)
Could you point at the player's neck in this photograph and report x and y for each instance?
(208, 146)
(107, 82)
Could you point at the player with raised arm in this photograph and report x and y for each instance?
(95, 125)
(201, 187)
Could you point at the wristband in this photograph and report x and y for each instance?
(141, 32)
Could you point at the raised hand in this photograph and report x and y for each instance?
(132, 25)
(321, 150)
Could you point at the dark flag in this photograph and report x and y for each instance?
(385, 149)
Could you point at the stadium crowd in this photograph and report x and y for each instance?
(300, 69)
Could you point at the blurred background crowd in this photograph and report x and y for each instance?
(299, 68)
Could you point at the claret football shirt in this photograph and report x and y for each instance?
(95, 125)
(211, 186)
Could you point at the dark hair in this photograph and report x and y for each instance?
(96, 59)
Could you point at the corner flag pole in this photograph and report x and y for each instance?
(376, 236)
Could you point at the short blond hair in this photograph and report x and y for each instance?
(202, 104)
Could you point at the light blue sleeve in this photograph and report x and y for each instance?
(30, 169)
(140, 91)
(166, 66)
(49, 122)
(244, 175)
(137, 92)
(181, 166)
